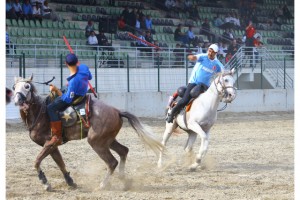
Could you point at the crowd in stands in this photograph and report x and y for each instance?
(33, 10)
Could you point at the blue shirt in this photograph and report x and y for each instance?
(7, 38)
(27, 9)
(148, 23)
(204, 69)
(78, 83)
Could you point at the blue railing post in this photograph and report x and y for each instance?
(128, 89)
(284, 73)
(96, 81)
(23, 65)
(61, 70)
(158, 75)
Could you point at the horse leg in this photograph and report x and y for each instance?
(204, 144)
(56, 156)
(104, 153)
(47, 149)
(122, 151)
(167, 134)
(190, 142)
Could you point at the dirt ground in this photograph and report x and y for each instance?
(250, 156)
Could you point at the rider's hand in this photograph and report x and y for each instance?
(52, 88)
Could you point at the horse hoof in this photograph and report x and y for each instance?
(73, 185)
(104, 186)
(47, 187)
(193, 167)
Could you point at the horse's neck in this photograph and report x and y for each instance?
(211, 98)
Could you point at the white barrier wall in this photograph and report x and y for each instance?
(152, 104)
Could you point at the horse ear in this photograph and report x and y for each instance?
(31, 77)
(16, 79)
(232, 70)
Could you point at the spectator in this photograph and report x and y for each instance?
(27, 10)
(250, 31)
(10, 11)
(141, 43)
(222, 51)
(102, 39)
(148, 37)
(178, 35)
(89, 28)
(121, 23)
(132, 19)
(170, 5)
(137, 23)
(92, 39)
(36, 12)
(125, 14)
(218, 21)
(188, 5)
(48, 13)
(140, 13)
(194, 14)
(179, 6)
(148, 22)
(18, 9)
(232, 49)
(226, 37)
(9, 45)
(143, 23)
(286, 12)
(257, 44)
(156, 54)
(179, 56)
(205, 30)
(190, 36)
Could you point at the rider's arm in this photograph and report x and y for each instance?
(192, 57)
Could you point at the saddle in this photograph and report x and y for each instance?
(78, 112)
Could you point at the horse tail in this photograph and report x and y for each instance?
(145, 135)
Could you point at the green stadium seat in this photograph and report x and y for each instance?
(26, 32)
(55, 33)
(38, 33)
(20, 32)
(60, 25)
(14, 22)
(13, 32)
(44, 33)
(8, 22)
(38, 24)
(32, 24)
(49, 24)
(20, 23)
(44, 24)
(49, 33)
(32, 32)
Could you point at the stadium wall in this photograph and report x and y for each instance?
(152, 104)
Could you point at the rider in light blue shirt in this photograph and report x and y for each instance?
(207, 65)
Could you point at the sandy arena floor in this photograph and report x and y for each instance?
(250, 156)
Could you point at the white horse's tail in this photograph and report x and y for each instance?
(146, 136)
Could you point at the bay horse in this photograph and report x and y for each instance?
(105, 123)
(202, 115)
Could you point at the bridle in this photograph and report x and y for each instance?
(223, 92)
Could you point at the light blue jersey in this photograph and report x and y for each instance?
(204, 69)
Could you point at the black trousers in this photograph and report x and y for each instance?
(184, 100)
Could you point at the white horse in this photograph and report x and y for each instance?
(202, 115)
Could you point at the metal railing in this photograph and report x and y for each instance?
(132, 69)
(270, 62)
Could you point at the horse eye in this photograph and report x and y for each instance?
(27, 86)
(13, 87)
(226, 80)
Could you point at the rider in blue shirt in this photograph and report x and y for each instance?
(77, 87)
(207, 65)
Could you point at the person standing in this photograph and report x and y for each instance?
(77, 88)
(206, 66)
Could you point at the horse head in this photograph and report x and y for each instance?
(225, 86)
(23, 92)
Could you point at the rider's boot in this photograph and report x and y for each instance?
(56, 138)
